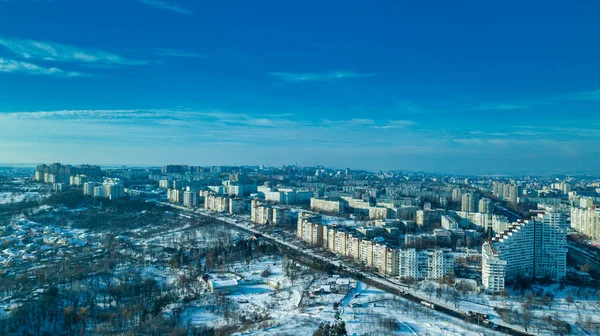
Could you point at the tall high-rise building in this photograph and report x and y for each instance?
(190, 198)
(535, 248)
(514, 192)
(586, 220)
(468, 202)
(457, 194)
(486, 206)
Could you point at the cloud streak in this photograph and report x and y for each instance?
(314, 77)
(166, 5)
(593, 95)
(177, 53)
(213, 136)
(13, 66)
(49, 51)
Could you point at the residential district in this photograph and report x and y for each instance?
(494, 236)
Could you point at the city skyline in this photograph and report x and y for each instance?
(437, 87)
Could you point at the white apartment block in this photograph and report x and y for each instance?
(467, 202)
(356, 203)
(410, 263)
(486, 206)
(190, 198)
(341, 241)
(353, 246)
(164, 184)
(551, 254)
(326, 205)
(265, 214)
(113, 189)
(425, 264)
(99, 191)
(449, 223)
(440, 262)
(586, 221)
(175, 195)
(493, 269)
(310, 228)
(88, 188)
(380, 258)
(535, 248)
(77, 180)
(379, 213)
(499, 223)
(216, 203)
(482, 220)
(366, 252)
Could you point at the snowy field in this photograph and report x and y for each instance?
(299, 309)
(7, 197)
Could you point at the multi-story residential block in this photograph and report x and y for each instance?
(310, 228)
(440, 263)
(499, 223)
(427, 217)
(586, 220)
(266, 214)
(216, 203)
(113, 189)
(88, 188)
(164, 184)
(353, 246)
(486, 206)
(449, 223)
(457, 194)
(99, 191)
(379, 213)
(77, 180)
(366, 252)
(530, 249)
(38, 176)
(493, 269)
(175, 195)
(514, 194)
(190, 198)
(468, 202)
(380, 257)
(341, 242)
(326, 205)
(424, 264)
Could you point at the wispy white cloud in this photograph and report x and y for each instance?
(593, 95)
(50, 51)
(8, 65)
(313, 76)
(396, 124)
(177, 53)
(222, 136)
(167, 5)
(499, 107)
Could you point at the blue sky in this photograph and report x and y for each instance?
(469, 87)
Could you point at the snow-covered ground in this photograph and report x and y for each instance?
(7, 197)
(299, 309)
(582, 313)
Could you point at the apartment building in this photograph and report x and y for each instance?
(216, 203)
(262, 214)
(326, 205)
(586, 220)
(190, 198)
(535, 248)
